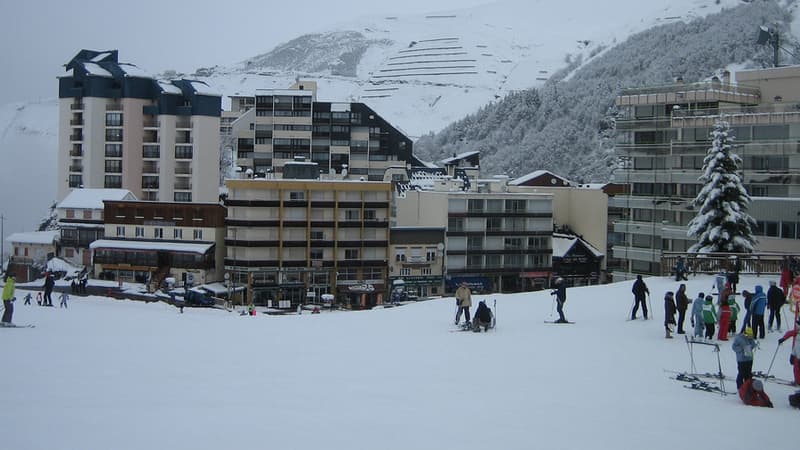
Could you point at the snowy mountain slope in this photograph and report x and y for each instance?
(420, 72)
(128, 375)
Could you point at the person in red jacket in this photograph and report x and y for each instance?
(752, 393)
(724, 319)
(794, 357)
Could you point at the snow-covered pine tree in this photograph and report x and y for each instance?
(722, 223)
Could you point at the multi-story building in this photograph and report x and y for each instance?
(274, 126)
(30, 253)
(80, 221)
(417, 259)
(663, 134)
(147, 242)
(119, 128)
(292, 240)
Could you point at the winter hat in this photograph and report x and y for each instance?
(709, 298)
(701, 295)
(772, 282)
(748, 332)
(670, 294)
(758, 385)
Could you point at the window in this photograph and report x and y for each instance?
(405, 271)
(455, 224)
(352, 214)
(316, 253)
(369, 214)
(197, 234)
(87, 214)
(113, 150)
(513, 244)
(113, 166)
(75, 181)
(430, 255)
(425, 271)
(475, 205)
(400, 255)
(515, 206)
(494, 224)
(114, 134)
(113, 182)
(70, 214)
(177, 233)
(183, 152)
(139, 231)
(149, 182)
(317, 235)
(351, 253)
(113, 119)
(474, 242)
(183, 196)
(120, 231)
(69, 252)
(299, 195)
(158, 233)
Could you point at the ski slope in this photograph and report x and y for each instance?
(127, 375)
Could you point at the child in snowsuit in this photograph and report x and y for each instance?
(744, 345)
(794, 357)
(669, 313)
(697, 315)
(724, 319)
(28, 298)
(752, 393)
(734, 314)
(64, 297)
(709, 317)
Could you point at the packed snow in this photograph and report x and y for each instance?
(128, 375)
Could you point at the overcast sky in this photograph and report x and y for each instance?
(38, 36)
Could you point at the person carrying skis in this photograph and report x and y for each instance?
(794, 357)
(8, 298)
(639, 290)
(669, 313)
(682, 303)
(697, 315)
(775, 300)
(758, 305)
(482, 318)
(709, 317)
(744, 345)
(464, 300)
(752, 393)
(560, 292)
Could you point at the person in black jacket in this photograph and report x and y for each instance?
(560, 292)
(49, 283)
(482, 318)
(669, 313)
(681, 303)
(639, 290)
(775, 300)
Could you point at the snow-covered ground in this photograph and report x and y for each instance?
(128, 375)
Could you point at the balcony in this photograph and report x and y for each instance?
(77, 168)
(183, 185)
(151, 123)
(76, 151)
(76, 122)
(76, 106)
(114, 107)
(151, 151)
(183, 122)
(76, 137)
(183, 170)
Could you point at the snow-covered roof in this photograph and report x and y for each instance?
(170, 88)
(95, 69)
(93, 198)
(202, 88)
(460, 156)
(100, 56)
(563, 243)
(34, 237)
(132, 70)
(533, 175)
(152, 245)
(284, 92)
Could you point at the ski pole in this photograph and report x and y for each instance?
(773, 360)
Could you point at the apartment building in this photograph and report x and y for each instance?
(417, 259)
(274, 126)
(663, 134)
(147, 242)
(293, 240)
(120, 128)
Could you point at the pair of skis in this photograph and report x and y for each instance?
(697, 383)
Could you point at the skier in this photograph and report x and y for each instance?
(758, 306)
(28, 298)
(464, 299)
(669, 313)
(639, 290)
(794, 357)
(775, 300)
(697, 315)
(733, 276)
(681, 270)
(681, 302)
(752, 393)
(482, 318)
(709, 317)
(8, 298)
(64, 297)
(724, 319)
(560, 292)
(744, 345)
(48, 289)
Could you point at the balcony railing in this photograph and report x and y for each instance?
(76, 106)
(76, 152)
(183, 170)
(76, 168)
(181, 185)
(76, 122)
(114, 107)
(76, 137)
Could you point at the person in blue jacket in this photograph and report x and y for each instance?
(697, 315)
(758, 306)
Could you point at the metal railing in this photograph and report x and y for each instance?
(713, 263)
